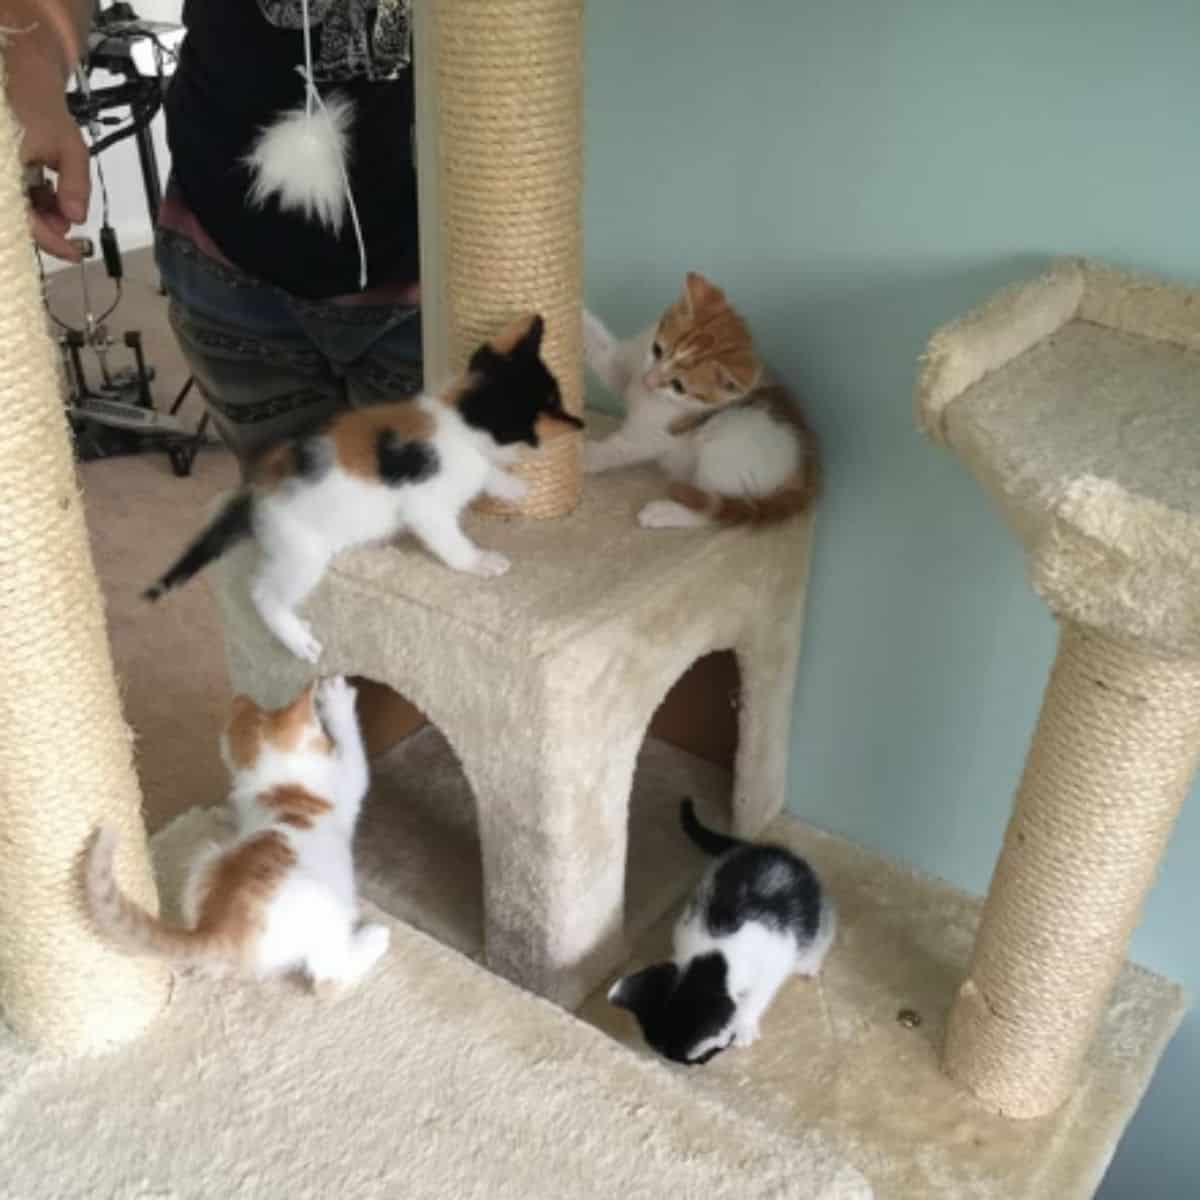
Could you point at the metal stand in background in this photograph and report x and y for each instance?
(118, 415)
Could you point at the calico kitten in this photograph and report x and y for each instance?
(735, 447)
(758, 916)
(371, 473)
(280, 897)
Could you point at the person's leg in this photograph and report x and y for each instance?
(261, 376)
(375, 349)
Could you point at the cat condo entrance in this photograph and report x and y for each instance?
(418, 845)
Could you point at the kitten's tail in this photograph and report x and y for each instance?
(231, 524)
(795, 496)
(707, 839)
(126, 923)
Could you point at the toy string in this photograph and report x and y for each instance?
(311, 95)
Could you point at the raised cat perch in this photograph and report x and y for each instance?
(1074, 400)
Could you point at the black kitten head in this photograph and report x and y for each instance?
(687, 1015)
(510, 393)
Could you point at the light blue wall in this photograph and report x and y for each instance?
(856, 172)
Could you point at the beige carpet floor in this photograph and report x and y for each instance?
(439, 1067)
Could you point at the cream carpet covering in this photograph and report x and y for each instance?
(433, 1080)
(833, 1056)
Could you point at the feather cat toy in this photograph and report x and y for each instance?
(301, 159)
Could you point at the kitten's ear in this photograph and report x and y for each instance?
(646, 991)
(737, 379)
(531, 342)
(699, 293)
(521, 335)
(482, 361)
(240, 705)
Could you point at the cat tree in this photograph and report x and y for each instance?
(1075, 400)
(1072, 398)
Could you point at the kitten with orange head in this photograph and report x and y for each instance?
(733, 444)
(280, 896)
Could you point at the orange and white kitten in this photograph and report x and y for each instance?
(735, 446)
(280, 897)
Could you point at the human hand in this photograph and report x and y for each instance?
(36, 69)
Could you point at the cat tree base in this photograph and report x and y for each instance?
(544, 682)
(437, 1079)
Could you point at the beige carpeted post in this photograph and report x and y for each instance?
(66, 762)
(508, 80)
(1111, 763)
(1072, 398)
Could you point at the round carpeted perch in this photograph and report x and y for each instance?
(508, 77)
(67, 764)
(1073, 400)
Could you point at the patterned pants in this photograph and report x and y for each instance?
(270, 365)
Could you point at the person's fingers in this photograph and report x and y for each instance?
(74, 176)
(45, 204)
(53, 241)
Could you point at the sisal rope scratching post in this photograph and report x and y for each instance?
(508, 79)
(66, 762)
(1110, 765)
(1081, 369)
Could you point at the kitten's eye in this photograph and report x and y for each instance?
(656, 350)
(677, 387)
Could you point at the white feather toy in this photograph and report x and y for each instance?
(301, 158)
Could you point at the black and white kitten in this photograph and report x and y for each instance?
(758, 916)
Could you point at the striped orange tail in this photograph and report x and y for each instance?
(126, 923)
(794, 497)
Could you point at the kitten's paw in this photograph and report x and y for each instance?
(508, 487)
(666, 514)
(302, 642)
(336, 697)
(746, 1034)
(371, 943)
(597, 341)
(489, 564)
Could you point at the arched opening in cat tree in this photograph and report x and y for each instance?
(417, 850)
(689, 750)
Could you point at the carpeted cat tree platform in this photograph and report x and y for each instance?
(900, 1071)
